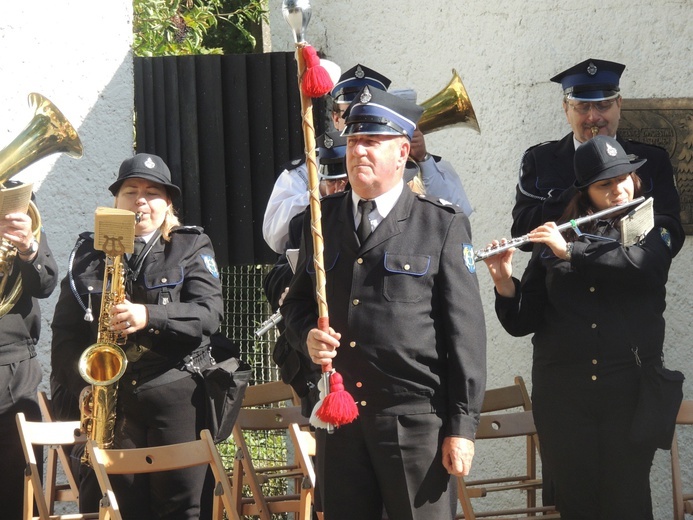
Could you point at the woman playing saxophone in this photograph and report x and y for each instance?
(172, 305)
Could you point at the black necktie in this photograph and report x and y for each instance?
(364, 229)
(139, 246)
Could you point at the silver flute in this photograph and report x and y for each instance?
(269, 324)
(518, 241)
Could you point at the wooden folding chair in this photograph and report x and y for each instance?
(275, 419)
(683, 501)
(513, 398)
(156, 459)
(54, 491)
(54, 435)
(305, 447)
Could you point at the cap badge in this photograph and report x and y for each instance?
(358, 73)
(591, 69)
(366, 95)
(149, 163)
(328, 142)
(610, 150)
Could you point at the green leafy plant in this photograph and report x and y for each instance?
(185, 27)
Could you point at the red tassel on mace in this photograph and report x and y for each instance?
(316, 80)
(338, 407)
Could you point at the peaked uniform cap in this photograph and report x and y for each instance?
(591, 80)
(375, 112)
(602, 158)
(352, 81)
(331, 153)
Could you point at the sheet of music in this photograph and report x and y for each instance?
(637, 223)
(114, 231)
(15, 199)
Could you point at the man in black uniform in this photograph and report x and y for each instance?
(592, 105)
(404, 302)
(20, 325)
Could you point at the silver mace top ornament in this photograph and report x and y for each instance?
(297, 15)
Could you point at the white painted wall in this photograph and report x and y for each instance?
(77, 54)
(505, 53)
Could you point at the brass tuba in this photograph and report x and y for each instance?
(103, 363)
(449, 107)
(48, 132)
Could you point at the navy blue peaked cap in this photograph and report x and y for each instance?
(591, 80)
(352, 81)
(376, 112)
(331, 153)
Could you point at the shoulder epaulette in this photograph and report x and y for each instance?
(86, 235)
(641, 143)
(294, 163)
(193, 230)
(441, 203)
(538, 145)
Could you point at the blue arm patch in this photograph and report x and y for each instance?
(211, 265)
(468, 254)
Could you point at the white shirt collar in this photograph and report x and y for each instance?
(383, 204)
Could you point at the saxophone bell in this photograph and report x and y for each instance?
(101, 365)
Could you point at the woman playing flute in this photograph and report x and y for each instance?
(595, 309)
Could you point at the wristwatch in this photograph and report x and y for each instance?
(32, 249)
(425, 158)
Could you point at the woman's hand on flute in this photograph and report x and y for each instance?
(500, 267)
(322, 346)
(550, 235)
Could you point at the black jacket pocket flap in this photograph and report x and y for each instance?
(166, 278)
(415, 265)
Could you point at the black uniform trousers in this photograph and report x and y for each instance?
(156, 416)
(18, 384)
(385, 460)
(583, 428)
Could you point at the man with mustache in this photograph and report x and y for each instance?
(592, 106)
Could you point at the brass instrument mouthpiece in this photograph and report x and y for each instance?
(138, 217)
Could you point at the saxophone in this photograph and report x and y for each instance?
(103, 363)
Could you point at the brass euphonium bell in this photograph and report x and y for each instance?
(449, 107)
(48, 132)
